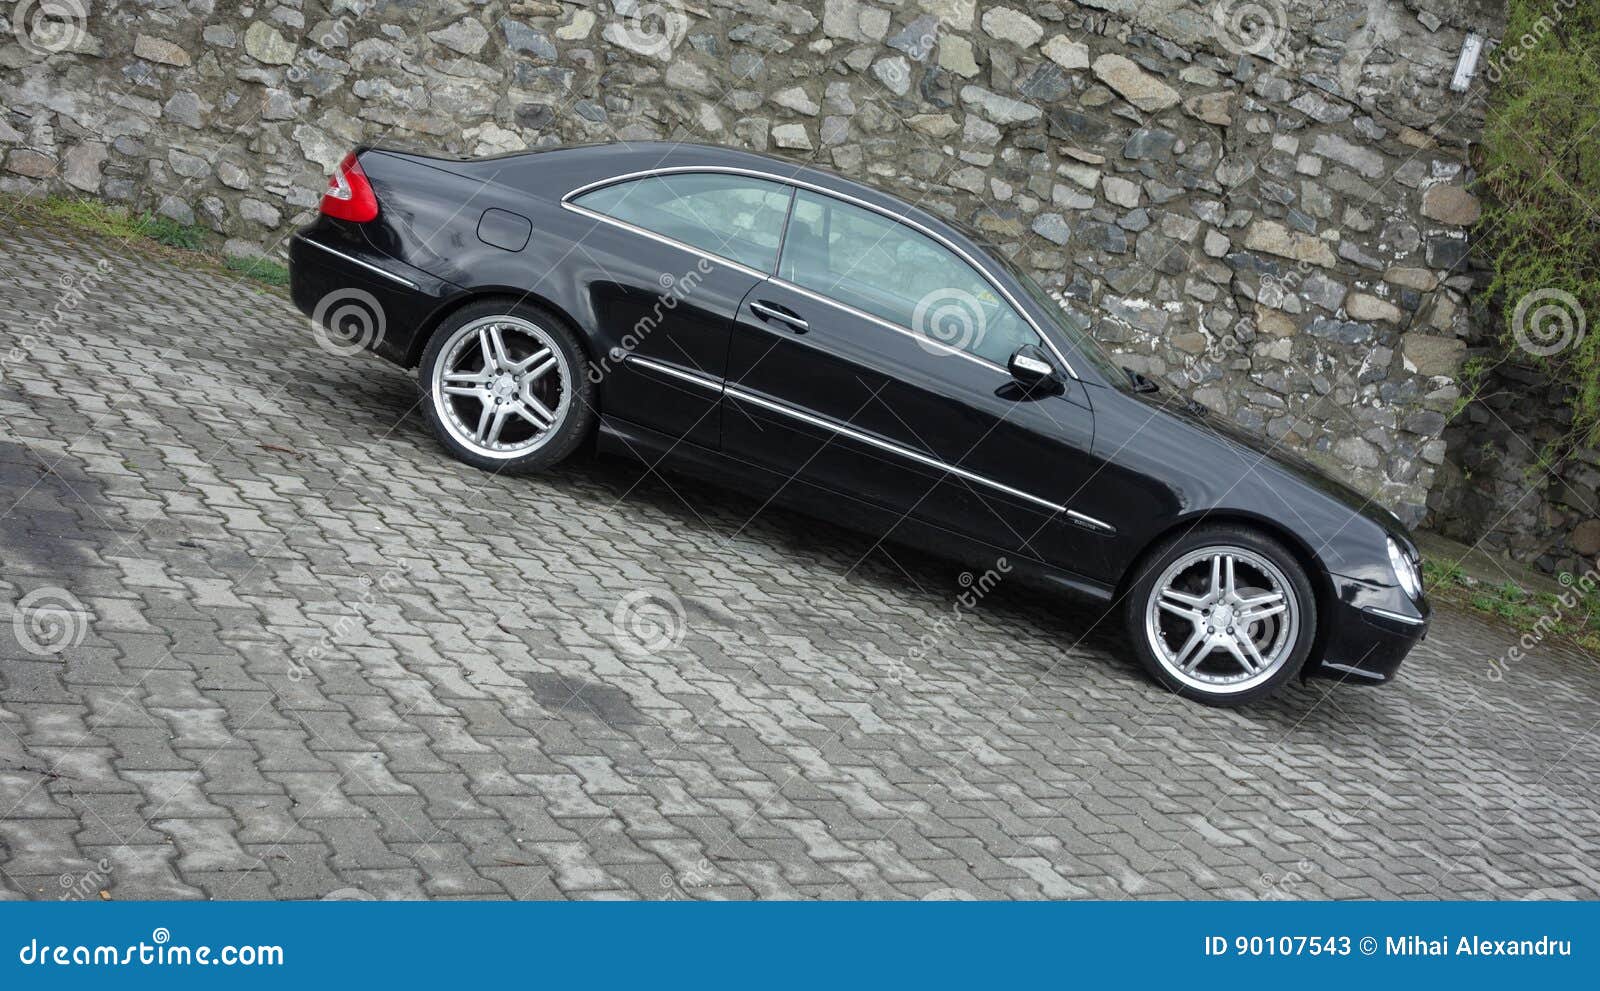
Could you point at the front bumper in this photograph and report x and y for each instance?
(1368, 632)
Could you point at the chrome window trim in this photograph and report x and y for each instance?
(356, 261)
(663, 239)
(888, 324)
(704, 381)
(1390, 614)
(961, 253)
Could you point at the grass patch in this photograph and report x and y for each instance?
(1573, 615)
(165, 230)
(261, 269)
(122, 224)
(92, 215)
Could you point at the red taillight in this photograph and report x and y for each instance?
(349, 195)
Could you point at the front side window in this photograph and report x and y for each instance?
(898, 274)
(732, 216)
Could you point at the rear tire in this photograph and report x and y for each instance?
(506, 387)
(1222, 614)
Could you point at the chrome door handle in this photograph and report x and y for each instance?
(770, 312)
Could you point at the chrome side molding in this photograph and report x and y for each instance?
(703, 381)
(358, 262)
(745, 395)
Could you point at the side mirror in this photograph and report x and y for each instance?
(1031, 368)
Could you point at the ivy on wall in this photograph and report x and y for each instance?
(1540, 176)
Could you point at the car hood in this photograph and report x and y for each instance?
(1176, 405)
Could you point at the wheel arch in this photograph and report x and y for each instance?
(1316, 572)
(430, 324)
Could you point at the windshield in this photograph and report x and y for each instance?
(1073, 326)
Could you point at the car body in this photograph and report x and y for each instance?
(772, 326)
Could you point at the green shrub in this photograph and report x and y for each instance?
(1541, 183)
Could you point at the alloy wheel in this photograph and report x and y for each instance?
(1222, 620)
(501, 386)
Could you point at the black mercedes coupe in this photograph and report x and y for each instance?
(804, 337)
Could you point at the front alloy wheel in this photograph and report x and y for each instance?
(1222, 615)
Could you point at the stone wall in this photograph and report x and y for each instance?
(1267, 212)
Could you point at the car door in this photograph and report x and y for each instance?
(874, 364)
(670, 257)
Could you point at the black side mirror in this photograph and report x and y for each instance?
(1031, 368)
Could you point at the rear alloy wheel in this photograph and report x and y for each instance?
(1223, 616)
(506, 388)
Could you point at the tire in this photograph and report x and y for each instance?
(521, 411)
(1228, 647)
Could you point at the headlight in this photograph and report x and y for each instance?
(1405, 570)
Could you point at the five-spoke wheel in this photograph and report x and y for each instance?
(504, 387)
(1223, 615)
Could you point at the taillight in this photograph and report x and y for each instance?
(349, 195)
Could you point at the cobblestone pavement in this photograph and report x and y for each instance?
(318, 658)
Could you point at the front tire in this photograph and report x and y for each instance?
(1222, 614)
(506, 387)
